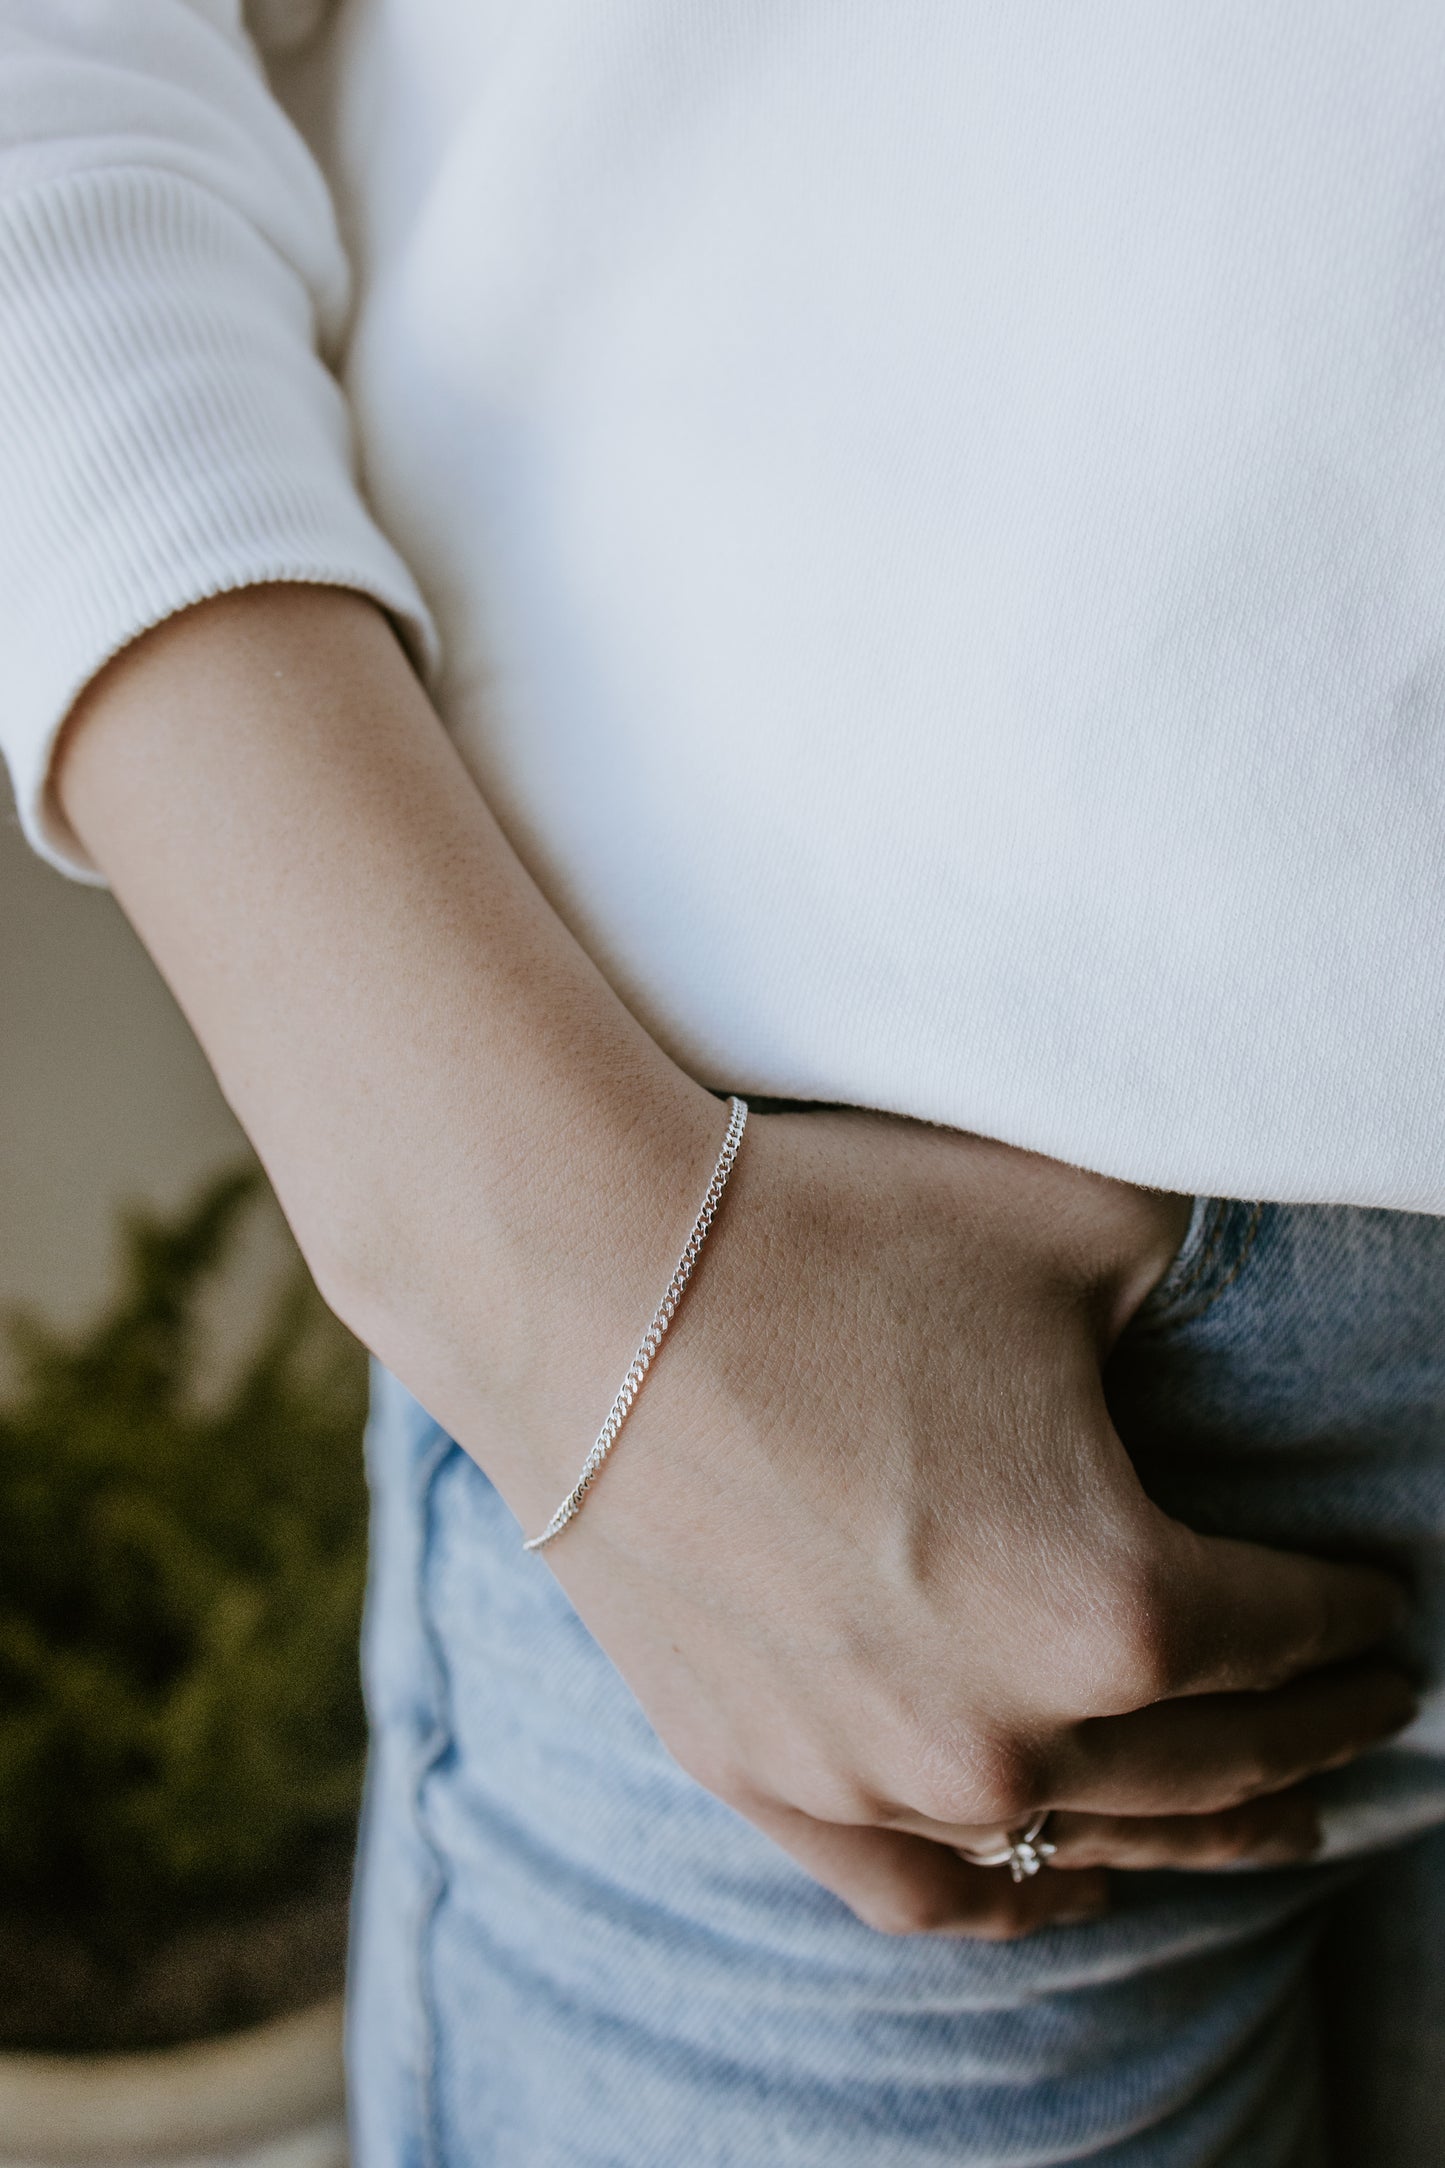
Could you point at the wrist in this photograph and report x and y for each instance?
(512, 1305)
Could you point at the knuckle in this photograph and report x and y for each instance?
(1137, 1645)
(718, 1772)
(936, 1798)
(826, 1797)
(1005, 1785)
(966, 1777)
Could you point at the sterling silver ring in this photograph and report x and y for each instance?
(1023, 1853)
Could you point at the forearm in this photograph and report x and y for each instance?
(453, 1105)
(873, 1560)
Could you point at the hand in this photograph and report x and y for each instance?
(868, 1550)
(881, 1573)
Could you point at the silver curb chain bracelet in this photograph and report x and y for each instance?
(641, 1362)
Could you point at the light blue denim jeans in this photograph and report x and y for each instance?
(569, 1956)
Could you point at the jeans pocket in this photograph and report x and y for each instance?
(1217, 1245)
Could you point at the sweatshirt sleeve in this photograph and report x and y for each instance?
(170, 281)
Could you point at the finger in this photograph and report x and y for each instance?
(902, 1885)
(1199, 1756)
(1243, 1617)
(1270, 1831)
(1274, 1832)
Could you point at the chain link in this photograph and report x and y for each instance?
(652, 1339)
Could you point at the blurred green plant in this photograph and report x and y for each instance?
(181, 1727)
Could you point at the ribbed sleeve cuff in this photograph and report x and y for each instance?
(167, 433)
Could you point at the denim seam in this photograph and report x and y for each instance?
(1208, 1279)
(1164, 1301)
(1246, 1244)
(1205, 1258)
(434, 1747)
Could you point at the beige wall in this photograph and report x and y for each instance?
(104, 1095)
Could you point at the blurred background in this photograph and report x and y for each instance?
(182, 1538)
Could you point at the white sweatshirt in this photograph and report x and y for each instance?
(934, 512)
